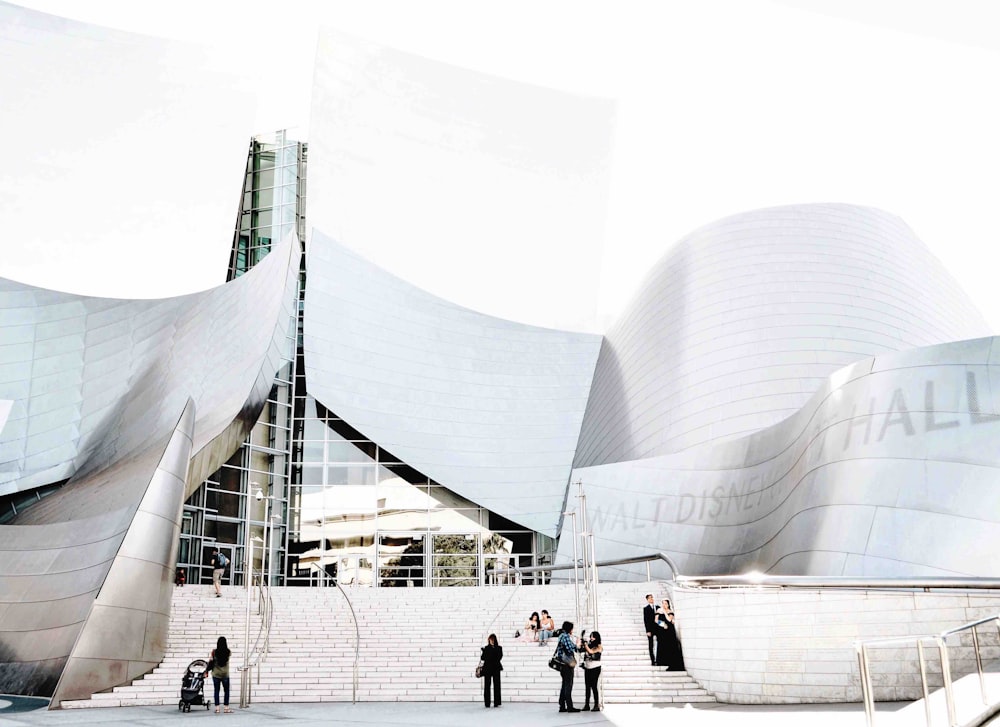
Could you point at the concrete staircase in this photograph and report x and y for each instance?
(416, 645)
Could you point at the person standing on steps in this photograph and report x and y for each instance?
(649, 620)
(219, 562)
(492, 654)
(592, 651)
(668, 645)
(218, 665)
(566, 653)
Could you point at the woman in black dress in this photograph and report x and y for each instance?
(491, 655)
(668, 646)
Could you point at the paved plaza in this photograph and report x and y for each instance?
(460, 714)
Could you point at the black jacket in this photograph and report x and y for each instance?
(649, 618)
(491, 656)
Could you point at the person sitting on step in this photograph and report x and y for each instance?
(546, 628)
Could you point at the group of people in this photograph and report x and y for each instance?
(540, 627)
(566, 651)
(661, 632)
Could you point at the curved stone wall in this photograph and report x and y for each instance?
(737, 326)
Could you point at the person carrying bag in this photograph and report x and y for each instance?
(489, 668)
(566, 656)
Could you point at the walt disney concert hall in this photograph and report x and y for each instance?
(795, 390)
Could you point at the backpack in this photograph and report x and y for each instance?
(221, 560)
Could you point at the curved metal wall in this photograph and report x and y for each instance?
(891, 469)
(489, 408)
(93, 379)
(736, 327)
(98, 388)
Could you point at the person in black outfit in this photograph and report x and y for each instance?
(492, 654)
(668, 646)
(592, 670)
(649, 619)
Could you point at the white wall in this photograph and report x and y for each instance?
(758, 646)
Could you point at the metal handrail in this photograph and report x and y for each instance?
(674, 572)
(261, 645)
(939, 639)
(357, 640)
(777, 581)
(517, 587)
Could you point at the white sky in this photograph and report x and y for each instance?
(720, 107)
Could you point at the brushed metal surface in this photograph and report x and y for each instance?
(97, 403)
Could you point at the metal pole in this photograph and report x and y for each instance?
(923, 681)
(588, 570)
(593, 566)
(864, 683)
(576, 571)
(870, 704)
(979, 665)
(265, 561)
(248, 568)
(949, 696)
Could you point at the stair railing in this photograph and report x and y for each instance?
(867, 693)
(517, 587)
(258, 652)
(324, 576)
(357, 644)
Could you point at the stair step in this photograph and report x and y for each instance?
(312, 646)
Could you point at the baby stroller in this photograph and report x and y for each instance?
(193, 686)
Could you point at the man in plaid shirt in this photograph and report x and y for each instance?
(566, 653)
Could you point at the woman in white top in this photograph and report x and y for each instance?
(547, 626)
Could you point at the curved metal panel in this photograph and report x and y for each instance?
(125, 633)
(93, 379)
(736, 327)
(489, 408)
(890, 469)
(96, 401)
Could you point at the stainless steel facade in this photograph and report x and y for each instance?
(489, 408)
(737, 326)
(890, 469)
(122, 400)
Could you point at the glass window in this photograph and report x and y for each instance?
(314, 430)
(341, 451)
(401, 561)
(263, 179)
(351, 475)
(263, 198)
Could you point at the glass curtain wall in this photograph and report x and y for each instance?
(360, 516)
(340, 508)
(272, 205)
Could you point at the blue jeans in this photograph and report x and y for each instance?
(566, 692)
(544, 635)
(224, 682)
